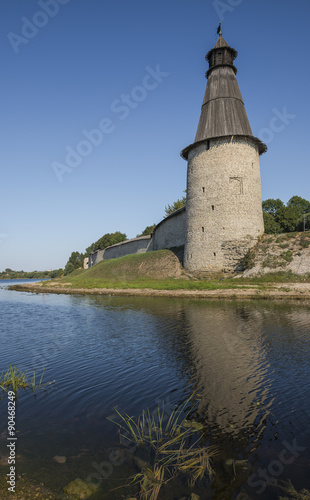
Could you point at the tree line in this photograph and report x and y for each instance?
(10, 274)
(280, 218)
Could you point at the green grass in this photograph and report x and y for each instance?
(304, 243)
(272, 262)
(278, 277)
(287, 256)
(14, 380)
(281, 238)
(132, 271)
(292, 235)
(173, 444)
(155, 284)
(138, 271)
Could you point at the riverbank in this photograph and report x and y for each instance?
(273, 291)
(160, 274)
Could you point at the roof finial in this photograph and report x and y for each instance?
(219, 30)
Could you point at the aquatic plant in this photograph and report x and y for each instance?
(169, 446)
(291, 493)
(14, 380)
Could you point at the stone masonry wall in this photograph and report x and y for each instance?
(95, 257)
(135, 245)
(170, 232)
(224, 205)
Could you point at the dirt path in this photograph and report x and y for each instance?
(296, 291)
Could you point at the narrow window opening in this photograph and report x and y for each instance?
(203, 189)
(214, 253)
(191, 255)
(203, 229)
(212, 207)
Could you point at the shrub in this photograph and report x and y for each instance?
(248, 261)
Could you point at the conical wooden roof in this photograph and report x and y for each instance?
(223, 112)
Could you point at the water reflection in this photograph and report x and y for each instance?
(231, 364)
(250, 361)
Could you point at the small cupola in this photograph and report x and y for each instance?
(221, 55)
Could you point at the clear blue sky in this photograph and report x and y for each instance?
(71, 72)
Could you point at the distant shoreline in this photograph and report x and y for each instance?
(292, 291)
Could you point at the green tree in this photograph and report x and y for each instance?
(75, 261)
(89, 250)
(280, 218)
(109, 239)
(299, 204)
(56, 273)
(304, 222)
(148, 230)
(271, 205)
(169, 209)
(271, 226)
(105, 241)
(288, 218)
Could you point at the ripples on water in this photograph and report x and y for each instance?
(250, 362)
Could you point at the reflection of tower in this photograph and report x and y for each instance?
(230, 363)
(224, 205)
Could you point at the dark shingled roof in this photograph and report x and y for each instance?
(223, 112)
(219, 45)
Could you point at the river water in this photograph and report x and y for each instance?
(250, 362)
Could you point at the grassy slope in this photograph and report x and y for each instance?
(157, 270)
(161, 271)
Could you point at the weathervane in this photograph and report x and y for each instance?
(219, 30)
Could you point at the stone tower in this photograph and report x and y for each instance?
(224, 203)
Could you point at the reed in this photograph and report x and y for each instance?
(173, 444)
(14, 380)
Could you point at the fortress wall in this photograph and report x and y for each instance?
(95, 257)
(135, 245)
(170, 232)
